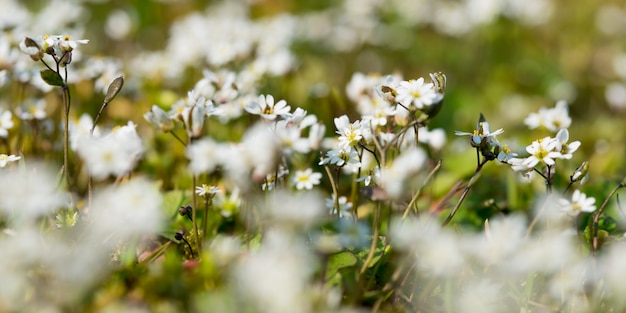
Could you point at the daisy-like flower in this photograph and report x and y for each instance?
(579, 203)
(566, 149)
(349, 134)
(7, 159)
(207, 190)
(6, 123)
(542, 151)
(481, 133)
(416, 93)
(267, 109)
(341, 157)
(306, 179)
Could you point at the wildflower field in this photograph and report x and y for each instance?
(312, 156)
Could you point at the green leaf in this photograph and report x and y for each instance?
(172, 200)
(337, 262)
(52, 78)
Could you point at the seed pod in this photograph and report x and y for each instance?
(114, 89)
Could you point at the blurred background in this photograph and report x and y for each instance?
(502, 58)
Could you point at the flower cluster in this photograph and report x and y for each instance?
(60, 47)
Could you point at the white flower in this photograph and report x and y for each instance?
(298, 210)
(119, 212)
(275, 279)
(289, 137)
(416, 93)
(6, 123)
(566, 149)
(551, 119)
(113, 154)
(230, 204)
(579, 203)
(349, 134)
(29, 192)
(341, 157)
(481, 133)
(542, 151)
(6, 159)
(67, 44)
(345, 207)
(306, 179)
(267, 109)
(204, 156)
(81, 128)
(32, 110)
(394, 178)
(207, 190)
(159, 119)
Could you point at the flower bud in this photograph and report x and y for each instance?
(581, 173)
(159, 119)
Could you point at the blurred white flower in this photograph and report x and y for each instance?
(344, 210)
(395, 177)
(204, 155)
(6, 123)
(275, 279)
(578, 204)
(32, 109)
(228, 204)
(119, 212)
(552, 119)
(261, 150)
(297, 210)
(480, 296)
(615, 94)
(306, 179)
(80, 129)
(7, 159)
(159, 119)
(115, 153)
(27, 193)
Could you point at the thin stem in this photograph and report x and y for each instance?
(333, 185)
(206, 215)
(419, 191)
(596, 218)
(66, 140)
(376, 225)
(178, 138)
(464, 194)
(549, 179)
(194, 210)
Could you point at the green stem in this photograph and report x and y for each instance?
(376, 226)
(596, 218)
(419, 191)
(66, 136)
(465, 192)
